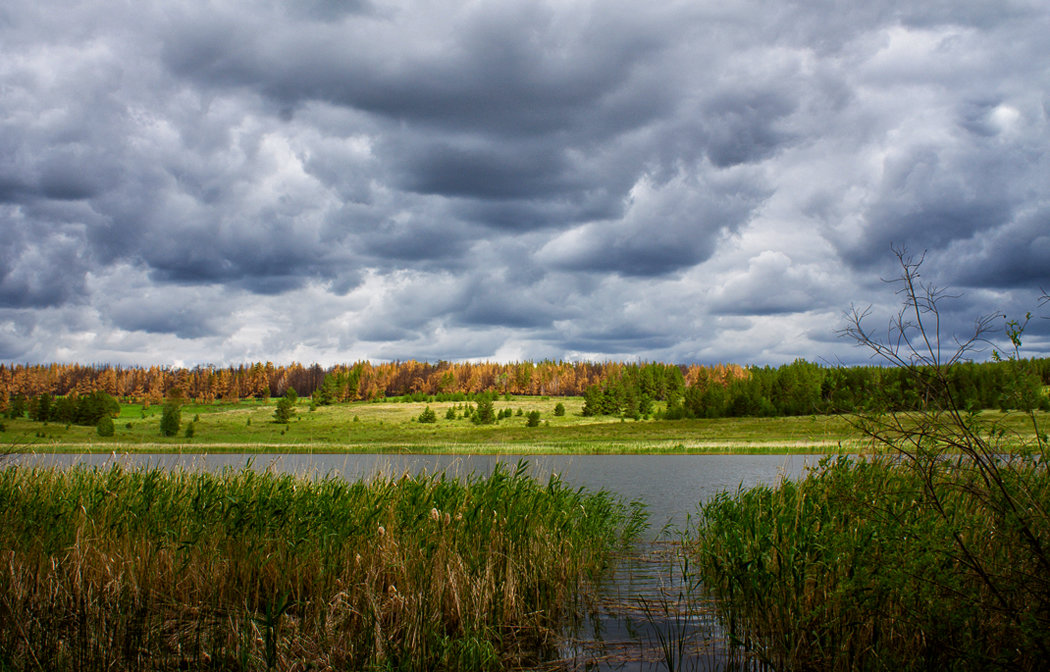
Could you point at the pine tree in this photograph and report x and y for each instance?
(170, 418)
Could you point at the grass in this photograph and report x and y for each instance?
(122, 569)
(390, 427)
(860, 566)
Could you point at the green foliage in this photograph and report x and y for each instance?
(105, 426)
(532, 419)
(16, 406)
(191, 429)
(285, 408)
(427, 416)
(450, 414)
(40, 408)
(484, 414)
(171, 418)
(855, 568)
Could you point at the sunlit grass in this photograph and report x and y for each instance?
(390, 426)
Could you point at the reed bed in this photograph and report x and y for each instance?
(861, 566)
(122, 569)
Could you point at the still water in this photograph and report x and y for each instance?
(670, 485)
(650, 615)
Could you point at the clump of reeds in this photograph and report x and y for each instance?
(121, 569)
(862, 566)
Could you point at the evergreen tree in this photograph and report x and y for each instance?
(285, 407)
(170, 418)
(485, 414)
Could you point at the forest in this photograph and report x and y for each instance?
(74, 392)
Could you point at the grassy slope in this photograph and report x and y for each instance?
(390, 427)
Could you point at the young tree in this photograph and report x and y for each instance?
(1000, 558)
(170, 418)
(427, 416)
(559, 409)
(285, 407)
(485, 413)
(533, 419)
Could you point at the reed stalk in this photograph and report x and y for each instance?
(122, 569)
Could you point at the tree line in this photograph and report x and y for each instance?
(344, 382)
(609, 388)
(805, 388)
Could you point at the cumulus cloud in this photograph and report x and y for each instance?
(692, 182)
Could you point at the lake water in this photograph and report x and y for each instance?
(649, 600)
(671, 485)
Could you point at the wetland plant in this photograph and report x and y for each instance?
(122, 569)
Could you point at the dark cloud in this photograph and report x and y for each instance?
(666, 227)
(1015, 255)
(504, 179)
(489, 171)
(159, 315)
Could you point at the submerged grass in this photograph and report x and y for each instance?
(122, 569)
(854, 568)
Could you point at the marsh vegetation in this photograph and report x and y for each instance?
(122, 569)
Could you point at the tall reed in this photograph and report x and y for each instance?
(123, 569)
(852, 568)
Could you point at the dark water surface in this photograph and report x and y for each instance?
(650, 615)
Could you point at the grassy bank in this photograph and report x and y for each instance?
(873, 565)
(120, 570)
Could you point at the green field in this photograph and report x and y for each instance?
(390, 426)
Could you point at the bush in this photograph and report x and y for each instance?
(450, 414)
(105, 426)
(559, 409)
(533, 419)
(428, 415)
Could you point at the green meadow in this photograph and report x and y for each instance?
(392, 426)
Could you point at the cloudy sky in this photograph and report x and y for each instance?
(324, 181)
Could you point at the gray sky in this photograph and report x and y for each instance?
(322, 181)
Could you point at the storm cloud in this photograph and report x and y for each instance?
(189, 182)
